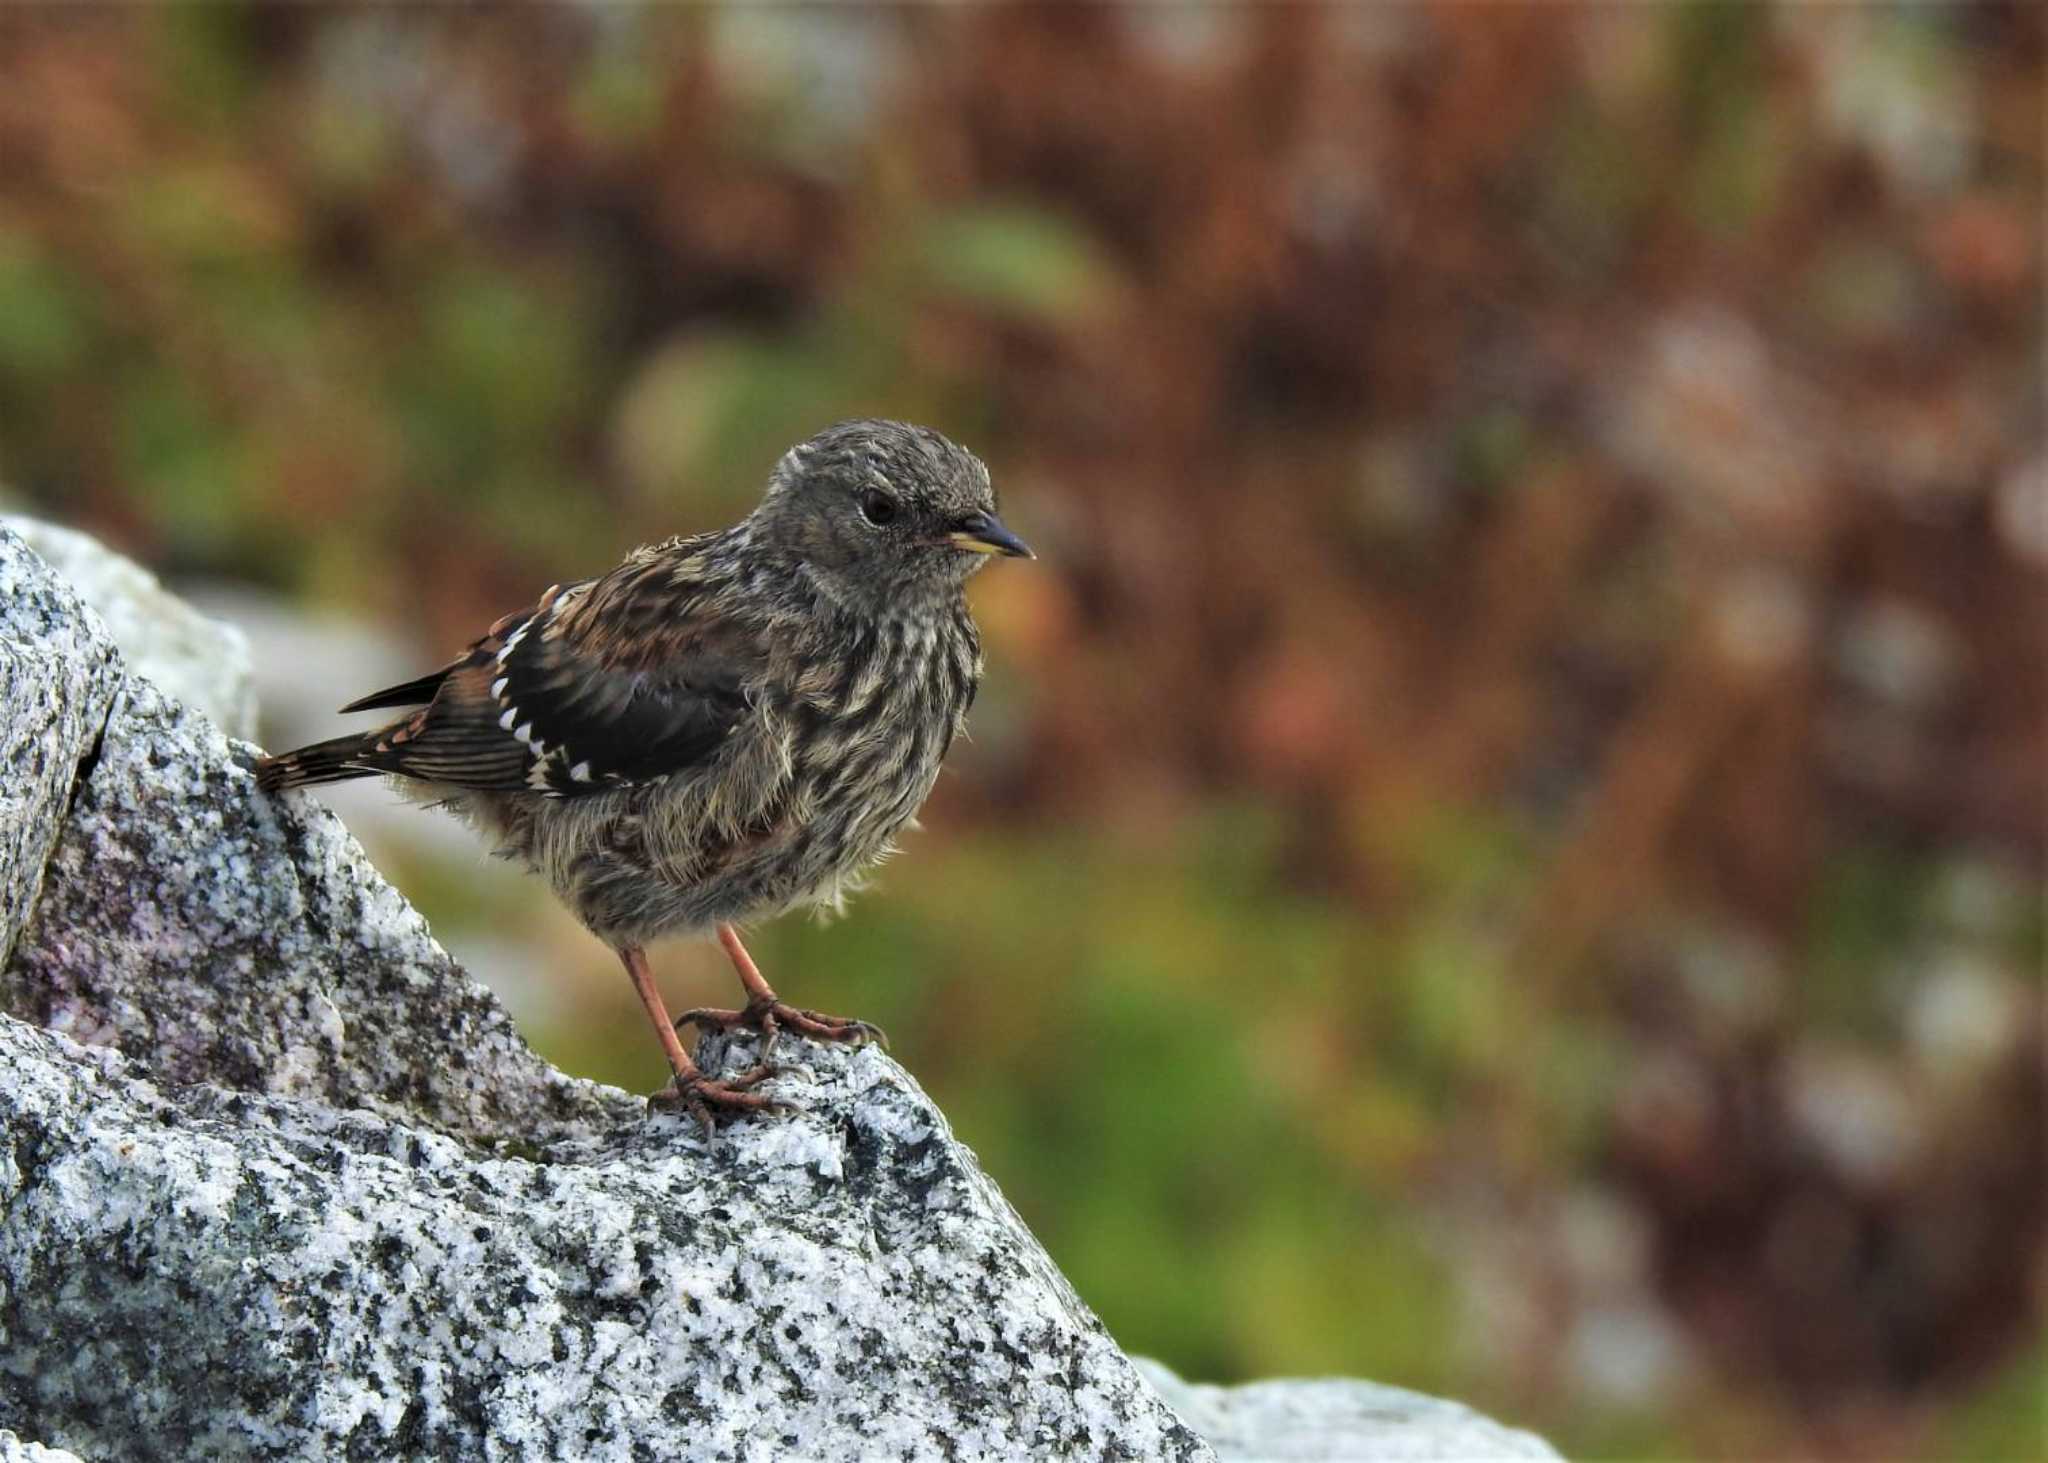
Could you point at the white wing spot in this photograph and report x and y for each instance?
(512, 642)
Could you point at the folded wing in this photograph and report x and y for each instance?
(626, 680)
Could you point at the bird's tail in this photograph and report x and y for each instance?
(331, 761)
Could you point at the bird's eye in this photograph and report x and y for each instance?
(878, 508)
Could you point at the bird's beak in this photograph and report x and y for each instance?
(983, 533)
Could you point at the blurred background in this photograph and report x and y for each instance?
(1502, 845)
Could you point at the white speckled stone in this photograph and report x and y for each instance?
(192, 658)
(58, 675)
(189, 1271)
(14, 1450)
(1336, 1420)
(213, 934)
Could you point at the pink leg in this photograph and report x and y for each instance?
(768, 1013)
(691, 1088)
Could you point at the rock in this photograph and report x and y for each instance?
(192, 657)
(1337, 1421)
(280, 1181)
(217, 935)
(58, 676)
(14, 1450)
(230, 1274)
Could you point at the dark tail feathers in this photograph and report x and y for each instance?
(332, 761)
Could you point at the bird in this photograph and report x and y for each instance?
(725, 727)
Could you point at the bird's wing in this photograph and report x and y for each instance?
(627, 679)
(421, 690)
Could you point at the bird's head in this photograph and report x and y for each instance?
(883, 514)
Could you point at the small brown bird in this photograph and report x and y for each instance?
(722, 728)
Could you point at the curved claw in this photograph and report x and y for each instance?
(771, 1018)
(703, 1096)
(850, 1029)
(755, 1075)
(759, 1018)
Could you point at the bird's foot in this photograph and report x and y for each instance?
(707, 1098)
(772, 1017)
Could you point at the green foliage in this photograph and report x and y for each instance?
(1866, 916)
(1135, 1050)
(170, 437)
(2008, 1420)
(46, 312)
(1017, 259)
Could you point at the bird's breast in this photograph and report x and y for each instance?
(868, 739)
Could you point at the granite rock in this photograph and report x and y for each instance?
(195, 1271)
(58, 677)
(213, 934)
(14, 1450)
(193, 658)
(1337, 1420)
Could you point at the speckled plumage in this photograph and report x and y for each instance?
(725, 726)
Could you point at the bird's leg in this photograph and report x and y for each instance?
(768, 1013)
(691, 1088)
